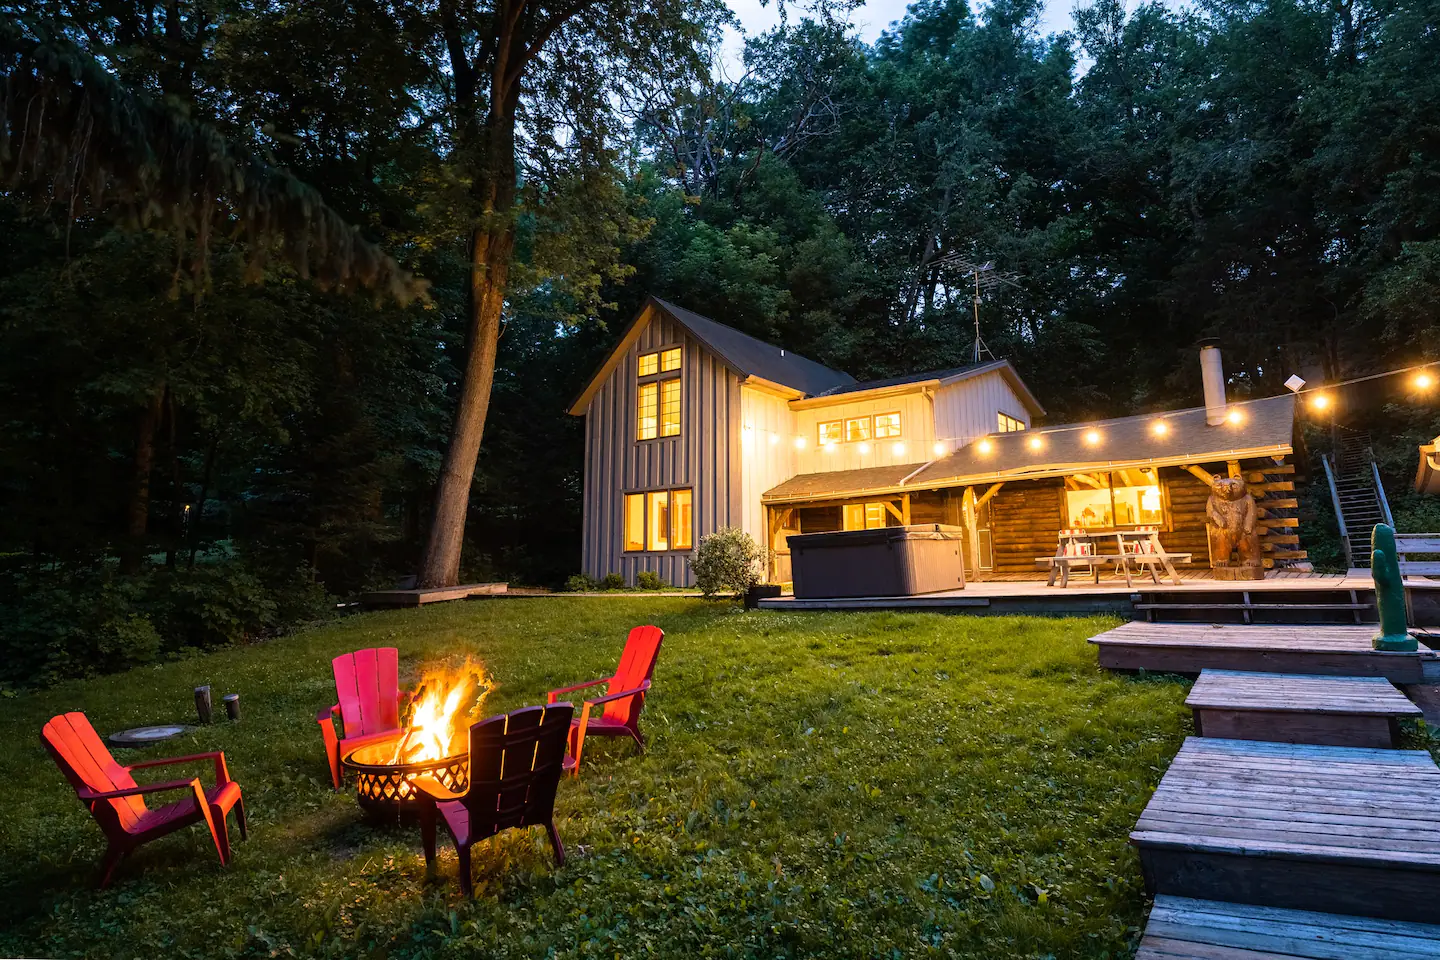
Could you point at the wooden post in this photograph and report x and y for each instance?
(972, 534)
(905, 510)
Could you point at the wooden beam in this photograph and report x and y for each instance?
(1203, 475)
(890, 509)
(985, 498)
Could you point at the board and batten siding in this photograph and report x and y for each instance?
(767, 453)
(705, 457)
(967, 409)
(917, 433)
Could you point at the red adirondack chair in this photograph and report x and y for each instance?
(515, 764)
(367, 686)
(624, 697)
(118, 804)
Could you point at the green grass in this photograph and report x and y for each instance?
(818, 785)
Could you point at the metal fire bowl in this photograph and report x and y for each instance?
(386, 789)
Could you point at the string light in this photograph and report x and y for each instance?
(864, 448)
(830, 447)
(1160, 428)
(1034, 443)
(799, 443)
(1235, 416)
(985, 446)
(898, 449)
(1320, 401)
(1423, 381)
(938, 449)
(774, 439)
(1092, 437)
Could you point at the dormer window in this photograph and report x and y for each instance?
(830, 432)
(887, 425)
(1009, 424)
(657, 399)
(857, 429)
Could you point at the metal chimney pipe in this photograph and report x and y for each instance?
(1213, 376)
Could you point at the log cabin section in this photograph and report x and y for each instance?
(692, 426)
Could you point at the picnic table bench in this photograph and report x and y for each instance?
(1083, 549)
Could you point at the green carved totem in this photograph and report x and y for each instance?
(1394, 633)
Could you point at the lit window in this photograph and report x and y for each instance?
(887, 425)
(830, 432)
(645, 419)
(660, 520)
(657, 520)
(670, 359)
(681, 536)
(856, 429)
(670, 407)
(863, 516)
(1125, 498)
(1009, 424)
(649, 363)
(634, 521)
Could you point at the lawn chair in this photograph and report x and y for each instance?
(515, 764)
(118, 804)
(367, 686)
(623, 700)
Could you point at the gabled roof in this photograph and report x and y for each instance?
(744, 354)
(1266, 428)
(939, 378)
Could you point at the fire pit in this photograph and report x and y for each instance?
(384, 787)
(434, 741)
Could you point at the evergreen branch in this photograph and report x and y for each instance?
(73, 133)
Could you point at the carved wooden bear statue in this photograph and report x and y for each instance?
(1231, 512)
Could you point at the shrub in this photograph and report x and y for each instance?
(612, 581)
(647, 580)
(579, 583)
(728, 561)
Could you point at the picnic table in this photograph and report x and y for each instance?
(1090, 550)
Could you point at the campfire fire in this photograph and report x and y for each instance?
(447, 701)
(435, 742)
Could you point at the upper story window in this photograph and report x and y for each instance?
(1009, 424)
(657, 401)
(857, 429)
(830, 432)
(887, 425)
(882, 426)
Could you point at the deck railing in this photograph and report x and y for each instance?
(1339, 511)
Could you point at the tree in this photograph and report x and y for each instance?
(526, 90)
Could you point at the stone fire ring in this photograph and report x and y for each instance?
(382, 787)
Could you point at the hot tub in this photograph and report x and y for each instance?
(883, 562)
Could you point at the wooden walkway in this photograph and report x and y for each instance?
(1330, 650)
(1185, 929)
(1291, 708)
(1328, 829)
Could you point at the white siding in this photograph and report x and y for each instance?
(704, 457)
(767, 453)
(917, 434)
(969, 409)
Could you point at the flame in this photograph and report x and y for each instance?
(446, 702)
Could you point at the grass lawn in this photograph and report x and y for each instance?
(818, 785)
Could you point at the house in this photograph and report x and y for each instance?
(692, 426)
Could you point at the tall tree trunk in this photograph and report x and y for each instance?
(137, 512)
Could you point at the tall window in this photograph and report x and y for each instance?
(670, 407)
(647, 404)
(659, 520)
(1124, 498)
(657, 411)
(1009, 424)
(887, 425)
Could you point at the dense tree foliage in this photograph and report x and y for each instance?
(1265, 171)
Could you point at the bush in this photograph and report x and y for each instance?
(612, 581)
(579, 583)
(647, 580)
(728, 561)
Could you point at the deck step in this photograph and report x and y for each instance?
(1298, 708)
(1330, 829)
(1254, 606)
(1180, 927)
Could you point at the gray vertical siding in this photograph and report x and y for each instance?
(705, 456)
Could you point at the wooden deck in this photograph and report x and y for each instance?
(1186, 929)
(1290, 708)
(1330, 829)
(1337, 650)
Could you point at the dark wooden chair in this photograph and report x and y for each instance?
(117, 802)
(367, 688)
(624, 697)
(515, 765)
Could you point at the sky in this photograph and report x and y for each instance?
(872, 18)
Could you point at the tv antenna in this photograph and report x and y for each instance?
(985, 276)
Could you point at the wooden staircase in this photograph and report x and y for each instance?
(1357, 495)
